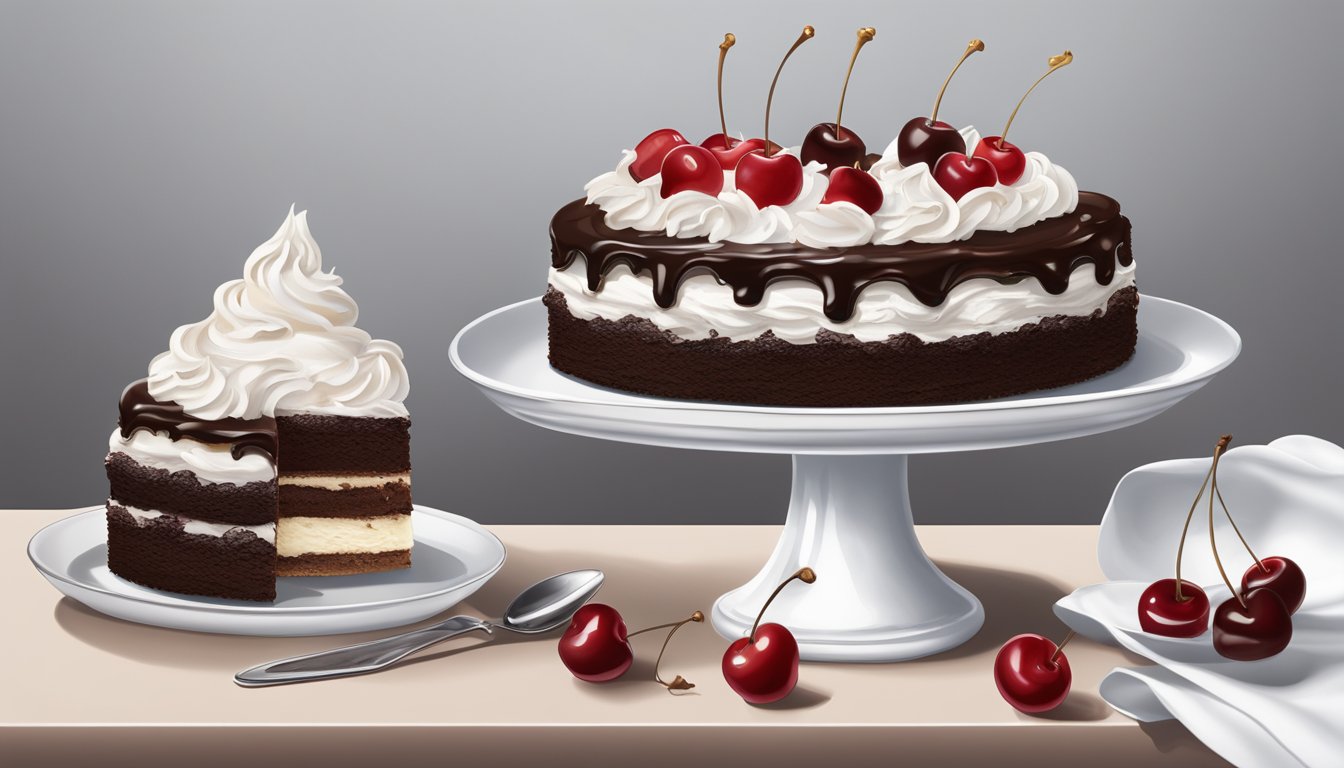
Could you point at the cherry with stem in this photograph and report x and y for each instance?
(1032, 673)
(829, 143)
(726, 149)
(763, 666)
(766, 176)
(925, 139)
(1007, 159)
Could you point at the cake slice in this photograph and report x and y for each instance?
(271, 439)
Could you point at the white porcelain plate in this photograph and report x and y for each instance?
(452, 558)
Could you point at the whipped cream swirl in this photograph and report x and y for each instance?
(281, 340)
(731, 215)
(914, 207)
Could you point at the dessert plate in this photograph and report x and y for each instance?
(452, 558)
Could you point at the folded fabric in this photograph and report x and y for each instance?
(1288, 499)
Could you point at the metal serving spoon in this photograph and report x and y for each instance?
(539, 608)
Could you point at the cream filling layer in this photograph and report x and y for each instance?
(265, 531)
(210, 462)
(792, 309)
(342, 482)
(296, 536)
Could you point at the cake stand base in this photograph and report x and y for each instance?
(877, 596)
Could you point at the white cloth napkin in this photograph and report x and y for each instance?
(1288, 499)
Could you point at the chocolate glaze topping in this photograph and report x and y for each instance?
(1049, 251)
(139, 410)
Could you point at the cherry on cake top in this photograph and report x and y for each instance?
(770, 176)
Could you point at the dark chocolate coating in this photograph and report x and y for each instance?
(139, 410)
(1049, 251)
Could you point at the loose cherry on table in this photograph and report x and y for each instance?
(691, 168)
(925, 139)
(830, 144)
(1006, 158)
(651, 150)
(596, 648)
(763, 666)
(958, 174)
(852, 185)
(1032, 673)
(766, 176)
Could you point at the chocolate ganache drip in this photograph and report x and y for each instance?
(139, 410)
(1048, 251)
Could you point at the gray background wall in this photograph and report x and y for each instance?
(147, 147)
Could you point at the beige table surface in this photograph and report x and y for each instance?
(84, 688)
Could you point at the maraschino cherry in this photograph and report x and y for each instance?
(651, 150)
(728, 150)
(767, 176)
(763, 666)
(1007, 159)
(925, 139)
(1033, 673)
(958, 174)
(829, 143)
(596, 648)
(691, 168)
(853, 185)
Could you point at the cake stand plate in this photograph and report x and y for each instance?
(877, 596)
(452, 558)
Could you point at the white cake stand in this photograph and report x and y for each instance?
(877, 596)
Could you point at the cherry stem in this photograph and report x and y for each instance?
(729, 40)
(679, 683)
(975, 45)
(1180, 549)
(1056, 63)
(865, 34)
(1249, 551)
(1213, 543)
(806, 35)
(1060, 647)
(805, 575)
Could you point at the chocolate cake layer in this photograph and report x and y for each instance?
(343, 564)
(316, 443)
(840, 371)
(1049, 251)
(181, 493)
(355, 501)
(158, 553)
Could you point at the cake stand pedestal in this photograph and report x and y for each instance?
(877, 596)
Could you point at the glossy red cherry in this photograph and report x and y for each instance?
(958, 174)
(832, 147)
(763, 671)
(1009, 161)
(595, 647)
(763, 666)
(1281, 576)
(1260, 628)
(651, 150)
(734, 150)
(769, 180)
(691, 168)
(852, 185)
(924, 141)
(1032, 673)
(1163, 612)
